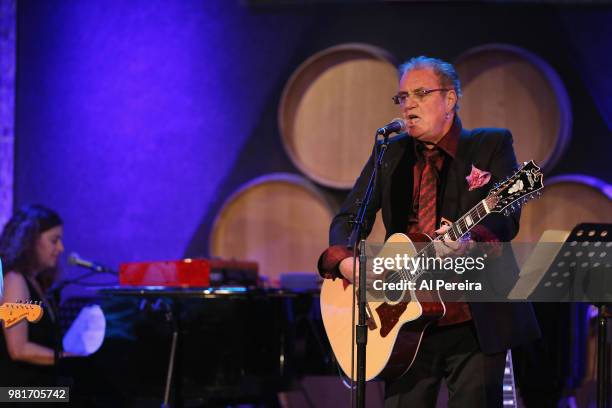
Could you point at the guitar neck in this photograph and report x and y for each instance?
(464, 224)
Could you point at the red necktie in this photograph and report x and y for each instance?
(427, 192)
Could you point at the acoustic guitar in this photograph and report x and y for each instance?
(390, 355)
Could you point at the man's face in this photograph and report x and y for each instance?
(429, 116)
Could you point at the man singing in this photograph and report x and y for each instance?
(423, 179)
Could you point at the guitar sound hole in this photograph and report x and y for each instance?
(390, 294)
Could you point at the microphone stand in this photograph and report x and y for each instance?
(359, 228)
(54, 297)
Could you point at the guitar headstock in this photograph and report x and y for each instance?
(13, 313)
(513, 192)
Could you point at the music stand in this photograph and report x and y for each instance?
(582, 271)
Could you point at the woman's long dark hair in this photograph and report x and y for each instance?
(18, 241)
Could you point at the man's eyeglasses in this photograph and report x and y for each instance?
(419, 95)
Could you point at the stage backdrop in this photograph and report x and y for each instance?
(8, 26)
(138, 120)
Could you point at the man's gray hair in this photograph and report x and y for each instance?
(444, 71)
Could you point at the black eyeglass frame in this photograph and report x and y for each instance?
(401, 97)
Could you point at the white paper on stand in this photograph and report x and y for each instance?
(86, 334)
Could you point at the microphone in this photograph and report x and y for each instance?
(396, 126)
(75, 259)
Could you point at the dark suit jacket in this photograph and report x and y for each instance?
(499, 326)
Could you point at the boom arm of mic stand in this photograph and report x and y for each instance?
(105, 269)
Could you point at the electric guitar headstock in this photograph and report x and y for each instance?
(13, 313)
(513, 192)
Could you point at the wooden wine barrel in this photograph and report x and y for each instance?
(331, 107)
(565, 202)
(510, 87)
(279, 220)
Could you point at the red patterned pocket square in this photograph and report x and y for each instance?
(477, 178)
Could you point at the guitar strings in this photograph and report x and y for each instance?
(455, 231)
(403, 274)
(478, 212)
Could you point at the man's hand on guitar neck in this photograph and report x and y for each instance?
(452, 248)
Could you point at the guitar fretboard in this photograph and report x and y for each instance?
(464, 224)
(457, 230)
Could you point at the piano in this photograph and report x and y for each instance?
(235, 345)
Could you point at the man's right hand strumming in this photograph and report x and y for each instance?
(346, 269)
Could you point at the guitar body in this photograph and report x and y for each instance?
(395, 329)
